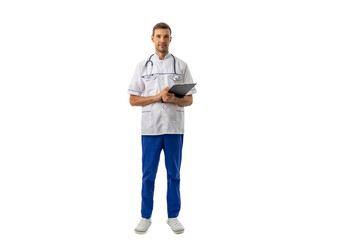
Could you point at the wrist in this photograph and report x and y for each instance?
(159, 98)
(176, 100)
(156, 98)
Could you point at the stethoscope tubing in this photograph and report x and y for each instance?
(152, 65)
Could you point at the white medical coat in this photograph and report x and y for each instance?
(160, 118)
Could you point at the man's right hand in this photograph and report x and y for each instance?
(143, 101)
(160, 94)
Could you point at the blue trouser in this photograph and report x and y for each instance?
(151, 149)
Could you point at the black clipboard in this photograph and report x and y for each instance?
(180, 90)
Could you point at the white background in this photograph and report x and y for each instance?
(271, 149)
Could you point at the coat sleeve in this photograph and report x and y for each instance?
(188, 79)
(136, 86)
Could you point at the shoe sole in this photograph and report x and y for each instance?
(179, 232)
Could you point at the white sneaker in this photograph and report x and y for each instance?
(175, 225)
(143, 226)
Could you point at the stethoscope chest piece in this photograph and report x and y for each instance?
(175, 77)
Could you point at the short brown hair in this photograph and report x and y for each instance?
(161, 25)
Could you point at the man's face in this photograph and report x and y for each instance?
(162, 40)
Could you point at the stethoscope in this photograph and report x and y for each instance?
(175, 78)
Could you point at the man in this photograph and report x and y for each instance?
(162, 123)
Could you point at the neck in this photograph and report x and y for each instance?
(161, 54)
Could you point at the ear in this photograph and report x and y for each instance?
(170, 38)
(152, 38)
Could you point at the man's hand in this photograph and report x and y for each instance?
(168, 98)
(143, 101)
(160, 95)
